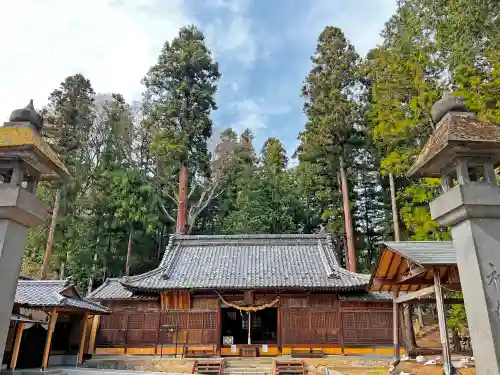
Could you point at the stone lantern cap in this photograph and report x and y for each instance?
(458, 134)
(20, 140)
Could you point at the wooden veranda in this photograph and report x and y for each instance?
(413, 271)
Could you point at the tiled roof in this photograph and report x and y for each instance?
(112, 289)
(48, 293)
(425, 252)
(370, 296)
(249, 262)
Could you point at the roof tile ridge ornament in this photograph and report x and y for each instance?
(171, 239)
(219, 237)
(172, 261)
(324, 260)
(27, 114)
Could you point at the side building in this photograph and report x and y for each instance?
(244, 295)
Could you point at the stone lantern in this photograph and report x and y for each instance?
(25, 159)
(464, 151)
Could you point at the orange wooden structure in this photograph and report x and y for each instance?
(414, 270)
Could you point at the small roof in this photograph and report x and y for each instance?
(256, 261)
(408, 265)
(425, 252)
(112, 289)
(53, 293)
(24, 319)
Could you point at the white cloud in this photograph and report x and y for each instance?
(254, 115)
(360, 20)
(113, 43)
(232, 35)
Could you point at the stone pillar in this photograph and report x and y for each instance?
(463, 151)
(24, 160)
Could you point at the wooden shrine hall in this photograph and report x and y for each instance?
(413, 272)
(48, 325)
(245, 295)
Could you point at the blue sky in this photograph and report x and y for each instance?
(263, 46)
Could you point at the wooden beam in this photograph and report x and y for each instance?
(403, 279)
(446, 301)
(443, 330)
(82, 337)
(415, 295)
(48, 341)
(93, 333)
(17, 345)
(379, 281)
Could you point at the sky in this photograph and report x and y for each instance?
(263, 47)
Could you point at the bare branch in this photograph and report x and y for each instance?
(174, 198)
(165, 212)
(191, 191)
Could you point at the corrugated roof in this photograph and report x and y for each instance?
(47, 293)
(425, 252)
(112, 289)
(249, 262)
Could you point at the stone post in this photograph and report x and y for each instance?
(463, 152)
(24, 160)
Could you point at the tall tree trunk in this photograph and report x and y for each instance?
(394, 205)
(420, 316)
(351, 250)
(61, 270)
(411, 343)
(129, 250)
(50, 238)
(182, 208)
(91, 278)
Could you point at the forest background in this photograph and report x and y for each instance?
(367, 119)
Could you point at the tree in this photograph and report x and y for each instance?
(332, 113)
(178, 100)
(274, 155)
(267, 199)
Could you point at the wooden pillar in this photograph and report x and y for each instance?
(219, 328)
(278, 326)
(249, 328)
(443, 330)
(48, 341)
(395, 325)
(82, 337)
(17, 345)
(93, 333)
(341, 326)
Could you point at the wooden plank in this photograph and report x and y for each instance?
(82, 337)
(48, 341)
(17, 345)
(415, 295)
